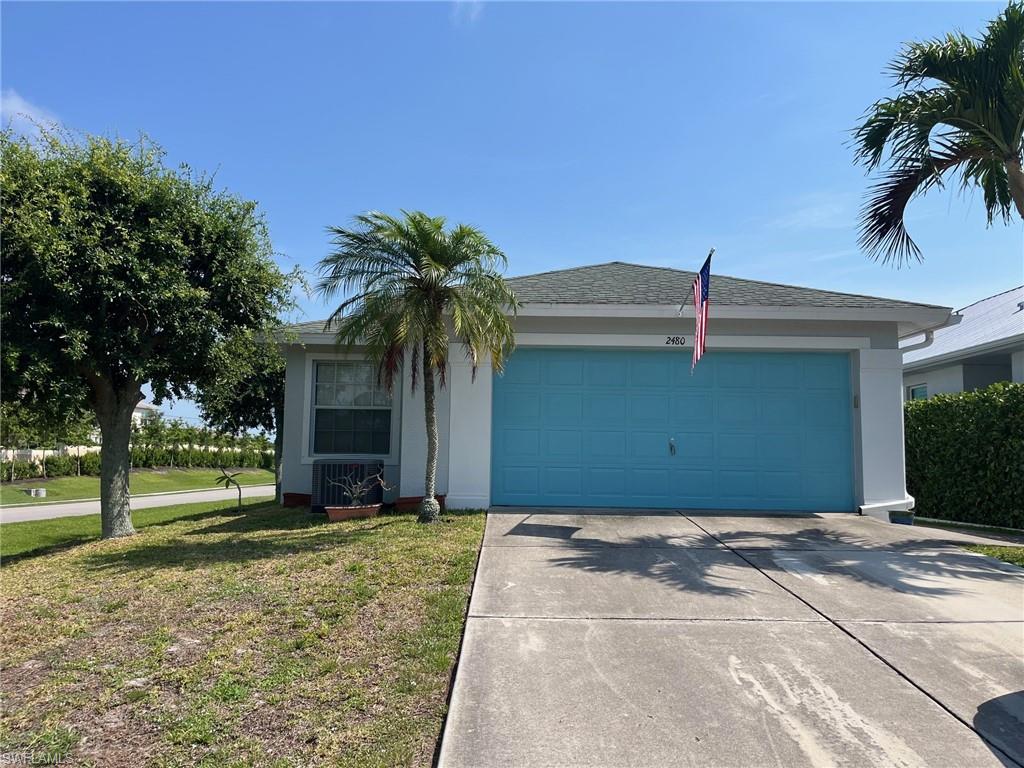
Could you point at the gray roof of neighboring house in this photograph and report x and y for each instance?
(620, 283)
(984, 323)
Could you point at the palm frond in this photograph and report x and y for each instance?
(409, 286)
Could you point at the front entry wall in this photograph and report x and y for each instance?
(616, 428)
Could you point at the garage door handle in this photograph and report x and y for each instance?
(672, 446)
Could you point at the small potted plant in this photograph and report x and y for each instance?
(357, 491)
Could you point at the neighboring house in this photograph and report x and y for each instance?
(796, 406)
(144, 411)
(985, 346)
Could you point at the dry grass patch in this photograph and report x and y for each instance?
(267, 638)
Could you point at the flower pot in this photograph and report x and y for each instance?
(337, 514)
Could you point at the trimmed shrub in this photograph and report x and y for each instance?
(965, 455)
(91, 463)
(60, 466)
(22, 470)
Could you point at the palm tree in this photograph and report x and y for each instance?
(410, 285)
(960, 114)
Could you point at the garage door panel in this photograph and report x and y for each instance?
(605, 408)
(520, 480)
(648, 409)
(562, 408)
(736, 484)
(562, 481)
(606, 481)
(696, 449)
(522, 408)
(564, 371)
(736, 409)
(780, 374)
(521, 443)
(581, 427)
(649, 445)
(736, 449)
(601, 445)
(651, 371)
(648, 484)
(692, 409)
(560, 445)
(736, 373)
(609, 370)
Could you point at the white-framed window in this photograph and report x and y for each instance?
(352, 411)
(917, 392)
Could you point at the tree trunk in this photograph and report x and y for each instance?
(114, 413)
(278, 450)
(1016, 178)
(429, 508)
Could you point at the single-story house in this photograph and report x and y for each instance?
(797, 404)
(986, 346)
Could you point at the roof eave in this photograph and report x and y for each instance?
(997, 345)
(910, 319)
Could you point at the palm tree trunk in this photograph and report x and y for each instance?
(429, 508)
(1016, 179)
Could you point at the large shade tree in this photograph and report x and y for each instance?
(118, 271)
(959, 116)
(410, 285)
(248, 392)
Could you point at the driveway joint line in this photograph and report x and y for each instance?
(864, 645)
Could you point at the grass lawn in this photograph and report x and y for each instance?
(1014, 555)
(142, 481)
(213, 638)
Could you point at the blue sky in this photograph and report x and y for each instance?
(571, 133)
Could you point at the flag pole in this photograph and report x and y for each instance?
(683, 305)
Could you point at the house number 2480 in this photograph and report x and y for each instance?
(675, 341)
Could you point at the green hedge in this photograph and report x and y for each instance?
(965, 455)
(142, 458)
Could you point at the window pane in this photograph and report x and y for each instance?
(351, 430)
(325, 373)
(381, 396)
(325, 394)
(381, 442)
(343, 442)
(362, 442)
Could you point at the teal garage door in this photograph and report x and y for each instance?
(614, 428)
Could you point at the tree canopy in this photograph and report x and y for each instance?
(960, 115)
(117, 271)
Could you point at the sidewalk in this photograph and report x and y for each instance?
(92, 506)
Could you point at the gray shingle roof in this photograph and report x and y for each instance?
(988, 321)
(620, 283)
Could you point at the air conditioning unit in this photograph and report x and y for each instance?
(327, 473)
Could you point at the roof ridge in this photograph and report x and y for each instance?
(731, 277)
(989, 298)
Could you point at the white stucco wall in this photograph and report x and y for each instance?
(1017, 366)
(881, 475)
(944, 380)
(465, 429)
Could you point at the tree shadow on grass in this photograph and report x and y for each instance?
(253, 516)
(240, 547)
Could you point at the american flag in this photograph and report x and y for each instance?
(700, 308)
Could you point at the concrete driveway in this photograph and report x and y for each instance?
(657, 639)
